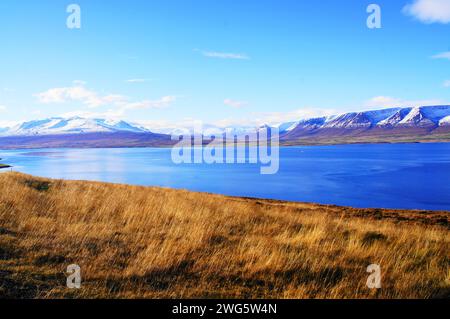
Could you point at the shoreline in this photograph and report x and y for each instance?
(425, 216)
(170, 146)
(338, 142)
(3, 166)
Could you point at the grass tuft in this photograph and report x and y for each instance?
(371, 237)
(40, 186)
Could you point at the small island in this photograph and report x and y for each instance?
(4, 165)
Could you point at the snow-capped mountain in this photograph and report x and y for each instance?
(215, 130)
(428, 123)
(74, 125)
(409, 120)
(425, 116)
(286, 127)
(242, 130)
(78, 125)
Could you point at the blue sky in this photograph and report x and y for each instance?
(221, 61)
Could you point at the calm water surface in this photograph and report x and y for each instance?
(415, 176)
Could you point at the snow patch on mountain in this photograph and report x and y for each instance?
(394, 119)
(436, 113)
(445, 121)
(416, 117)
(286, 127)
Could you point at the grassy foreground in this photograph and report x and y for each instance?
(159, 243)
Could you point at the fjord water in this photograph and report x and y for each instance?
(404, 176)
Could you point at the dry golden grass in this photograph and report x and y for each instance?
(136, 242)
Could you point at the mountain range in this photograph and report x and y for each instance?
(407, 124)
(73, 125)
(78, 125)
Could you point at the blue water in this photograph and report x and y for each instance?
(410, 176)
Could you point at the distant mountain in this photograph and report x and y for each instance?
(78, 125)
(79, 132)
(208, 129)
(394, 124)
(409, 124)
(74, 125)
(87, 140)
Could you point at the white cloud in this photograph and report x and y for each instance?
(383, 101)
(274, 118)
(224, 55)
(163, 102)
(74, 93)
(443, 55)
(92, 99)
(387, 102)
(250, 121)
(3, 108)
(446, 84)
(429, 11)
(7, 124)
(167, 127)
(234, 103)
(79, 82)
(136, 80)
(120, 111)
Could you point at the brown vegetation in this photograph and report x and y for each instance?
(142, 242)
